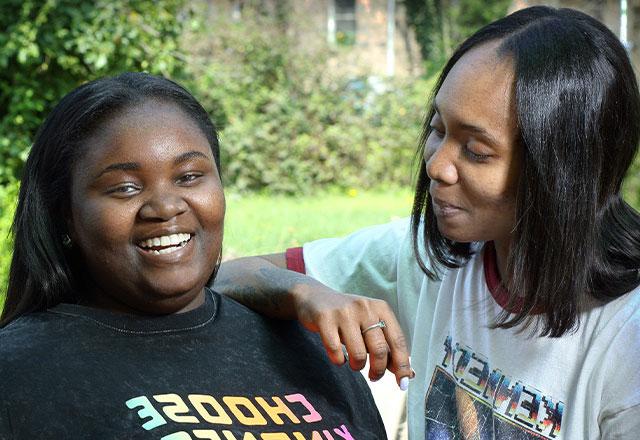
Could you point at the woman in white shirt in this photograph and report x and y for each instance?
(516, 280)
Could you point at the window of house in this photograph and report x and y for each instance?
(342, 22)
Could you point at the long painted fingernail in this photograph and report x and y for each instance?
(404, 383)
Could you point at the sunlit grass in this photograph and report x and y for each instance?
(258, 224)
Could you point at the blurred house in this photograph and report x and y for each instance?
(366, 37)
(373, 37)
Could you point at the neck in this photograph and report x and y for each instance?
(502, 256)
(100, 299)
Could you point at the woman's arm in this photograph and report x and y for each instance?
(261, 283)
(265, 285)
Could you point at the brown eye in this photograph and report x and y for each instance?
(476, 157)
(188, 178)
(124, 190)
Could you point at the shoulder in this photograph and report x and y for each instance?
(617, 337)
(281, 339)
(375, 249)
(279, 336)
(382, 238)
(29, 342)
(28, 332)
(621, 316)
(289, 349)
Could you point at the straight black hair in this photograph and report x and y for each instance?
(578, 116)
(43, 272)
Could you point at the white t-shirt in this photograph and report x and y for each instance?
(476, 382)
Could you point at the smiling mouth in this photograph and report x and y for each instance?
(444, 205)
(165, 244)
(444, 209)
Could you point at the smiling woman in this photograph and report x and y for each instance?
(108, 330)
(147, 194)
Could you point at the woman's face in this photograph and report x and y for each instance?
(147, 211)
(471, 154)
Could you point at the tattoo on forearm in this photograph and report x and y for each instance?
(267, 290)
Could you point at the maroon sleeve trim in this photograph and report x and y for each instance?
(295, 260)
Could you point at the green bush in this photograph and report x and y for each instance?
(441, 25)
(49, 47)
(632, 185)
(8, 199)
(288, 125)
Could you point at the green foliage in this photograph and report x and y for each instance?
(441, 25)
(289, 126)
(48, 47)
(631, 187)
(8, 200)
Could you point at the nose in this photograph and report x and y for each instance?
(440, 163)
(162, 206)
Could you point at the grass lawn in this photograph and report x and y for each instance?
(258, 224)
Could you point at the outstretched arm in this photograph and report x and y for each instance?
(262, 283)
(265, 285)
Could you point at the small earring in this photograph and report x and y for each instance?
(66, 241)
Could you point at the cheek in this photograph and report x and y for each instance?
(213, 203)
(210, 209)
(493, 190)
(101, 227)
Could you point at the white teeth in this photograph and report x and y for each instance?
(166, 250)
(176, 241)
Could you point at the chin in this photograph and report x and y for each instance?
(457, 234)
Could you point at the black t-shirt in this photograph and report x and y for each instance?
(219, 372)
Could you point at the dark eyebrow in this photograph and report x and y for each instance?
(188, 156)
(475, 129)
(123, 166)
(482, 132)
(135, 166)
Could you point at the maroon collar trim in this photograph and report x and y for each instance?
(494, 283)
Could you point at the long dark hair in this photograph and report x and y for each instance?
(42, 272)
(578, 116)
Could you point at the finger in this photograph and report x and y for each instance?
(331, 340)
(352, 339)
(402, 381)
(378, 352)
(400, 364)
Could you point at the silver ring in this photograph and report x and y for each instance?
(379, 324)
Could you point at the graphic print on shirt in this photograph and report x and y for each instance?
(466, 399)
(290, 417)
